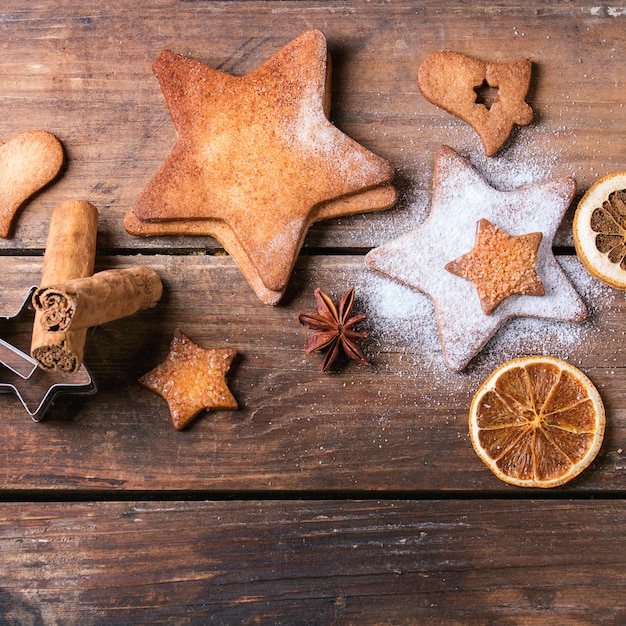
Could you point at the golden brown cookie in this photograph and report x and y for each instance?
(450, 80)
(27, 163)
(257, 161)
(192, 379)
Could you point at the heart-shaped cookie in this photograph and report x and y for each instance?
(27, 163)
(450, 80)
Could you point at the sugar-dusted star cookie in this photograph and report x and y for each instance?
(257, 161)
(192, 379)
(461, 198)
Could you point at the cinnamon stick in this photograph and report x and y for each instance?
(104, 297)
(70, 253)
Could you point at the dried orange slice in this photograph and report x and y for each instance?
(600, 230)
(537, 422)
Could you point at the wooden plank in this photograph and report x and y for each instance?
(482, 554)
(399, 424)
(82, 71)
(464, 562)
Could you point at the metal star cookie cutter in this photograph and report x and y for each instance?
(36, 388)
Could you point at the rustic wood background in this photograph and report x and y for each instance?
(353, 497)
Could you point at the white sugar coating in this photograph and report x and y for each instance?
(401, 320)
(460, 198)
(307, 130)
(532, 155)
(528, 159)
(313, 135)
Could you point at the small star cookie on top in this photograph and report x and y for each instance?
(500, 265)
(192, 379)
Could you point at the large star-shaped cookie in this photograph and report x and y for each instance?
(460, 199)
(257, 161)
(192, 379)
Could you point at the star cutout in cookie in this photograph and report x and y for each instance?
(460, 198)
(192, 379)
(500, 265)
(257, 161)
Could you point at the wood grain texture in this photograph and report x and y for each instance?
(321, 562)
(399, 424)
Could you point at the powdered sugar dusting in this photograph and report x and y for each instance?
(530, 159)
(313, 135)
(401, 320)
(526, 159)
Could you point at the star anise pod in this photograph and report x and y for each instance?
(333, 329)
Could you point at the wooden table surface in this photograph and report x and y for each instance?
(352, 497)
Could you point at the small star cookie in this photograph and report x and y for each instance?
(461, 197)
(500, 265)
(192, 379)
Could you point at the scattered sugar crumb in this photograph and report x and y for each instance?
(531, 156)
